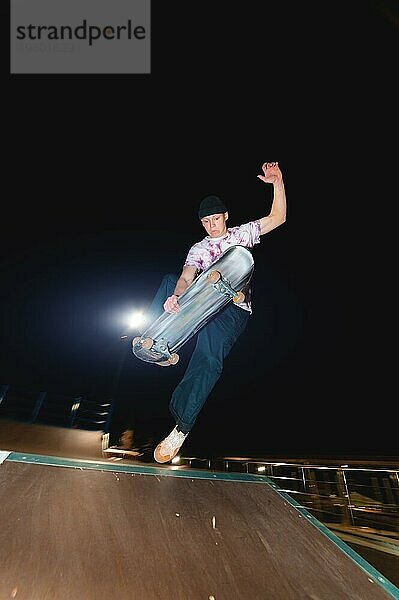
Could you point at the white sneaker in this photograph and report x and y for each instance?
(170, 446)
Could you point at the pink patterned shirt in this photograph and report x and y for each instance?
(204, 253)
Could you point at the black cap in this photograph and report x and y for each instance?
(211, 205)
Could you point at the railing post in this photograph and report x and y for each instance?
(344, 494)
(313, 488)
(3, 391)
(74, 410)
(38, 405)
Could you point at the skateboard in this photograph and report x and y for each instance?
(222, 282)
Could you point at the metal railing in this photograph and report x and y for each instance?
(52, 408)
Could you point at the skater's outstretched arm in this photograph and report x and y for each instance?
(277, 216)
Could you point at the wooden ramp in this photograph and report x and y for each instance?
(91, 530)
(47, 439)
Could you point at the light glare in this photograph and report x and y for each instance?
(136, 319)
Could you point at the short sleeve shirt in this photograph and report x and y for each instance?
(202, 254)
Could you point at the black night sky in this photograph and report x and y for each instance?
(102, 177)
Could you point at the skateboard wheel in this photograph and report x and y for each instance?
(135, 340)
(174, 358)
(214, 276)
(238, 298)
(147, 343)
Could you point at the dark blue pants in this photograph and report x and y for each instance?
(213, 343)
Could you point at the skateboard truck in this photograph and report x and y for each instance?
(160, 346)
(224, 287)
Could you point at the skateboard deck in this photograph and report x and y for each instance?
(222, 282)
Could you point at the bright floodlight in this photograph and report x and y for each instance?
(136, 319)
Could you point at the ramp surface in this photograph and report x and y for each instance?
(94, 530)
